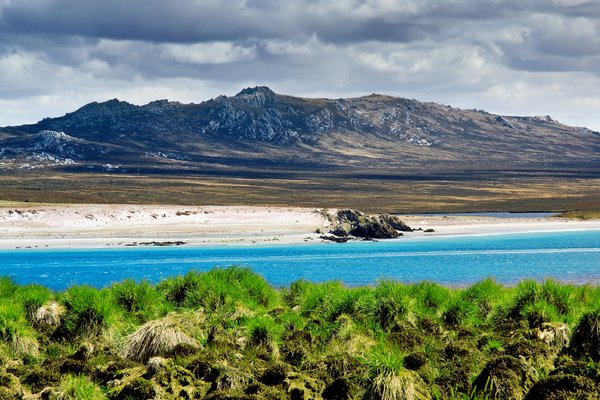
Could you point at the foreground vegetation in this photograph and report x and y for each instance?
(226, 334)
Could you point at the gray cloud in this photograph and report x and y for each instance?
(507, 56)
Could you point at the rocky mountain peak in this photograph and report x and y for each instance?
(256, 90)
(366, 129)
(258, 96)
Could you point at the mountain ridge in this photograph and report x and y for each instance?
(260, 127)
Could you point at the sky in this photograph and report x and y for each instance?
(512, 57)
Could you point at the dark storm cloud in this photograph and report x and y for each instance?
(194, 21)
(151, 20)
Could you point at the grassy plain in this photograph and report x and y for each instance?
(227, 334)
(376, 192)
(581, 215)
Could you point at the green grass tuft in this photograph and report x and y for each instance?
(218, 288)
(88, 310)
(8, 286)
(140, 299)
(392, 302)
(77, 387)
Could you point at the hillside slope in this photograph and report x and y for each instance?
(258, 128)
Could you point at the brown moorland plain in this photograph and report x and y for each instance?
(371, 193)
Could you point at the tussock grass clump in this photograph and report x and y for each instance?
(139, 299)
(89, 311)
(548, 302)
(392, 302)
(486, 295)
(461, 312)
(431, 297)
(218, 288)
(8, 287)
(390, 380)
(157, 338)
(327, 299)
(403, 385)
(77, 387)
(384, 359)
(15, 330)
(506, 378)
(264, 333)
(33, 297)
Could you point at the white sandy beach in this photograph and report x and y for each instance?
(476, 225)
(96, 226)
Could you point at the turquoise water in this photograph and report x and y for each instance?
(456, 261)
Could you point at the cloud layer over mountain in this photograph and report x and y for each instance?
(512, 57)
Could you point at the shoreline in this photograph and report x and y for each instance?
(112, 226)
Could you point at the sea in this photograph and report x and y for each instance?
(457, 261)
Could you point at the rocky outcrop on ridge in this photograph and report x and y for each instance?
(259, 125)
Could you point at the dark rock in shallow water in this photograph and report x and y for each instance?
(337, 239)
(374, 229)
